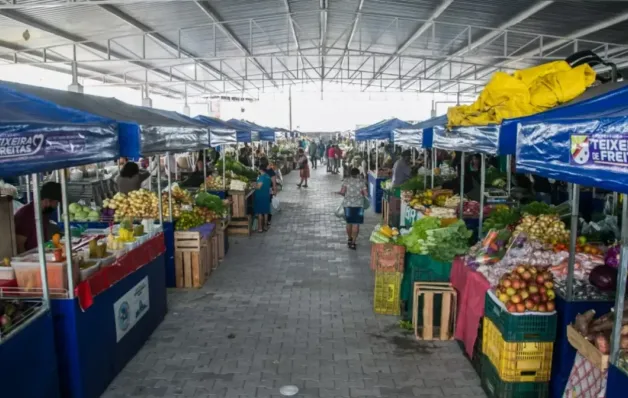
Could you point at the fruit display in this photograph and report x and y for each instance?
(189, 219)
(527, 288)
(422, 199)
(12, 313)
(440, 212)
(470, 208)
(545, 228)
(384, 234)
(214, 183)
(181, 196)
(452, 202)
(137, 204)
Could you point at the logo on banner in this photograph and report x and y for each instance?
(123, 316)
(11, 147)
(602, 149)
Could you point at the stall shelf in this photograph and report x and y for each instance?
(586, 146)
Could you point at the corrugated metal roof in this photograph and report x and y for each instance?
(264, 27)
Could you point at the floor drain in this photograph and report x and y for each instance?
(288, 391)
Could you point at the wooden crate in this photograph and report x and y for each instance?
(238, 204)
(587, 349)
(240, 226)
(192, 259)
(428, 290)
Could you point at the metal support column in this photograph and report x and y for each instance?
(159, 198)
(575, 204)
(39, 230)
(482, 188)
(66, 232)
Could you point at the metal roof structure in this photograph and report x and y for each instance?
(240, 48)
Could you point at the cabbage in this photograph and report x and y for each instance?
(612, 256)
(75, 208)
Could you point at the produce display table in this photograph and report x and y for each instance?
(472, 287)
(114, 313)
(375, 191)
(564, 354)
(617, 384)
(28, 368)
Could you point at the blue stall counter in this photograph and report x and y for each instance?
(28, 361)
(375, 191)
(617, 384)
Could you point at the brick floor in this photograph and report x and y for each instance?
(292, 306)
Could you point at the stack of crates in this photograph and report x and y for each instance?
(516, 360)
(387, 260)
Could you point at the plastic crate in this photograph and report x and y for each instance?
(517, 362)
(386, 257)
(498, 388)
(386, 296)
(425, 269)
(520, 328)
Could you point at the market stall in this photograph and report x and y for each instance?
(39, 136)
(586, 149)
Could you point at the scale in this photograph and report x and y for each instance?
(496, 196)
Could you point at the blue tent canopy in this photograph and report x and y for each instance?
(587, 144)
(411, 137)
(265, 133)
(594, 101)
(37, 135)
(221, 130)
(427, 126)
(381, 130)
(475, 139)
(143, 131)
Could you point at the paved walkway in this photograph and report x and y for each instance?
(292, 306)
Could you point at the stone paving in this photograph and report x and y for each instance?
(292, 306)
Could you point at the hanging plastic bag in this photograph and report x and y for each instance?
(276, 203)
(340, 211)
(367, 203)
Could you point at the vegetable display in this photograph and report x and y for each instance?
(428, 237)
(527, 288)
(598, 331)
(501, 218)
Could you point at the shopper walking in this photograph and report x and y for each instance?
(313, 152)
(270, 170)
(331, 158)
(337, 158)
(261, 199)
(354, 192)
(304, 169)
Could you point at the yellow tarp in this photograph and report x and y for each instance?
(523, 93)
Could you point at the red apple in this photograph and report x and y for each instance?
(544, 298)
(548, 276)
(542, 308)
(542, 289)
(524, 294)
(515, 298)
(540, 279)
(529, 303)
(527, 275)
(551, 306)
(533, 288)
(523, 284)
(521, 307)
(511, 307)
(515, 276)
(521, 269)
(536, 298)
(516, 284)
(506, 283)
(549, 284)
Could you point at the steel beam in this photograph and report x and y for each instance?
(178, 50)
(523, 15)
(215, 18)
(323, 36)
(26, 20)
(415, 35)
(559, 42)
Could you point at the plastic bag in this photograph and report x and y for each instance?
(276, 203)
(340, 211)
(367, 203)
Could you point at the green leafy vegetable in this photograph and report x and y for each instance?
(444, 244)
(211, 202)
(501, 218)
(538, 208)
(415, 241)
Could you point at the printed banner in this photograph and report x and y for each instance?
(27, 146)
(131, 307)
(599, 149)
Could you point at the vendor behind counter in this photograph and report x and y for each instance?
(24, 218)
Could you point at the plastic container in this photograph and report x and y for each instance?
(425, 269)
(387, 257)
(386, 296)
(6, 273)
(89, 271)
(498, 388)
(517, 362)
(535, 327)
(28, 275)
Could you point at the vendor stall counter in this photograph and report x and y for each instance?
(376, 193)
(112, 316)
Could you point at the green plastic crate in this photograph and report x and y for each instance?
(422, 268)
(497, 388)
(520, 328)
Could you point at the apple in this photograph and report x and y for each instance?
(536, 298)
(521, 269)
(521, 307)
(533, 289)
(515, 298)
(511, 307)
(542, 308)
(544, 298)
(504, 298)
(523, 284)
(515, 276)
(551, 306)
(524, 294)
(582, 240)
(506, 283)
(549, 284)
(516, 284)
(542, 289)
(533, 271)
(540, 279)
(510, 291)
(529, 304)
(527, 275)
(548, 276)
(551, 295)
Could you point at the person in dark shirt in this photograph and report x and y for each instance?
(24, 218)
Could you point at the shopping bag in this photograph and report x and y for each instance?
(367, 203)
(340, 211)
(276, 203)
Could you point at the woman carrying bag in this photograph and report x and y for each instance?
(354, 203)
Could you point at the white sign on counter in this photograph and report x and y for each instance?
(131, 307)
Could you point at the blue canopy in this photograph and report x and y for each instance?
(265, 133)
(143, 131)
(475, 139)
(427, 126)
(37, 135)
(223, 132)
(594, 101)
(381, 130)
(411, 137)
(586, 145)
